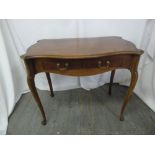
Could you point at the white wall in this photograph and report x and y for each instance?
(129, 29)
(29, 31)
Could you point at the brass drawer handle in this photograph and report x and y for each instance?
(108, 64)
(99, 64)
(62, 68)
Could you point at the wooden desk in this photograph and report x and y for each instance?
(81, 57)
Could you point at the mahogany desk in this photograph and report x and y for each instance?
(81, 57)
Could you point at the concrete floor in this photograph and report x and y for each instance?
(82, 112)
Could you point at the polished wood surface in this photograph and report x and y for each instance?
(81, 57)
(76, 48)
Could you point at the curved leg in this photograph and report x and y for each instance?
(50, 83)
(134, 77)
(111, 80)
(33, 89)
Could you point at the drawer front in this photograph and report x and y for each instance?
(56, 64)
(64, 65)
(118, 61)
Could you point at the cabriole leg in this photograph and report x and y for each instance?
(134, 77)
(33, 89)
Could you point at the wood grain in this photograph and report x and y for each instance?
(76, 48)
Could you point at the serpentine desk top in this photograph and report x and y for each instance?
(76, 48)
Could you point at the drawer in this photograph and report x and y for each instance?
(119, 61)
(57, 64)
(63, 65)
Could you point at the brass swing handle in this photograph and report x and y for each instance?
(107, 64)
(62, 68)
